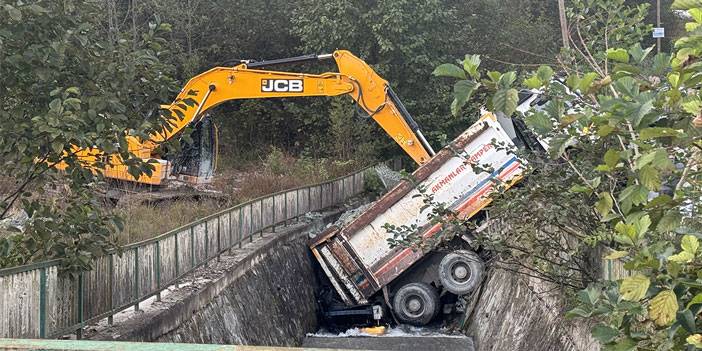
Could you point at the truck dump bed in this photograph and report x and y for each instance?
(358, 259)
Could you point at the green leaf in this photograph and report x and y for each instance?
(471, 64)
(505, 100)
(640, 111)
(494, 76)
(657, 158)
(604, 204)
(695, 340)
(659, 132)
(616, 255)
(73, 90)
(638, 54)
(696, 14)
(462, 91)
(57, 146)
(449, 70)
(559, 144)
(695, 300)
(669, 222)
(618, 55)
(55, 105)
(586, 82)
(663, 308)
(533, 83)
(692, 106)
(641, 225)
(578, 312)
(690, 244)
(650, 178)
(545, 73)
(13, 12)
(637, 194)
(634, 288)
(622, 345)
(506, 80)
(611, 158)
(605, 334)
(605, 130)
(686, 4)
(539, 122)
(682, 257)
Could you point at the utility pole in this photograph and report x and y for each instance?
(658, 23)
(564, 24)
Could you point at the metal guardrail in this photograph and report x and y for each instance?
(38, 302)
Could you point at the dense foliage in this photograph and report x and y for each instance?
(67, 82)
(403, 40)
(623, 176)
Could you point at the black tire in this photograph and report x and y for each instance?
(416, 304)
(461, 271)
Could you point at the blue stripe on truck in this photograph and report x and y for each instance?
(482, 183)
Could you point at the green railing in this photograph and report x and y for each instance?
(38, 302)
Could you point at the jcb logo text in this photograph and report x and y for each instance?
(282, 85)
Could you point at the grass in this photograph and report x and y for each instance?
(277, 172)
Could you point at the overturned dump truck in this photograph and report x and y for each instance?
(367, 272)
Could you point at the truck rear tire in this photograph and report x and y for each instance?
(461, 271)
(416, 304)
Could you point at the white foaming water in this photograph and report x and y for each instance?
(398, 331)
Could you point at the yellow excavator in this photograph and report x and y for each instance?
(253, 80)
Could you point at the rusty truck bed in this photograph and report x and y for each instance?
(358, 259)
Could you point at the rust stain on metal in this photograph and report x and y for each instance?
(323, 236)
(347, 263)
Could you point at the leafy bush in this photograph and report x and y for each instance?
(630, 136)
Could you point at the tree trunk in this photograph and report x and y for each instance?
(564, 24)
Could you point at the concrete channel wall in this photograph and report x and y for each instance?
(268, 300)
(261, 294)
(514, 312)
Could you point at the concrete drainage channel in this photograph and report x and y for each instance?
(265, 293)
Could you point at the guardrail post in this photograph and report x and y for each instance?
(207, 245)
(192, 248)
(297, 205)
(353, 184)
(241, 226)
(219, 239)
(231, 233)
(157, 263)
(273, 225)
(111, 281)
(260, 207)
(309, 199)
(176, 253)
(136, 278)
(285, 209)
(251, 231)
(42, 302)
(79, 331)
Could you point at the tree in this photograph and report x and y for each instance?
(69, 87)
(632, 139)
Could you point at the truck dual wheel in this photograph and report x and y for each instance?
(416, 304)
(461, 271)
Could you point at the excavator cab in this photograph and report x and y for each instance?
(196, 162)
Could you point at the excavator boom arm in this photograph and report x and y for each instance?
(355, 77)
(246, 81)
